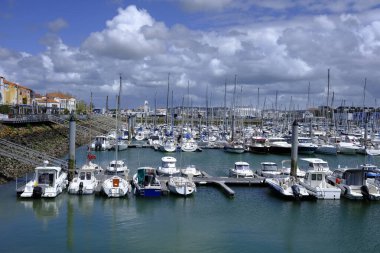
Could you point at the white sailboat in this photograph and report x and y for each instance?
(117, 184)
(183, 186)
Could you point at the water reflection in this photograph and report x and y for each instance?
(44, 209)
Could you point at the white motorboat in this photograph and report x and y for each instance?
(306, 146)
(116, 184)
(101, 143)
(85, 181)
(121, 144)
(288, 187)
(191, 171)
(315, 180)
(285, 169)
(183, 186)
(48, 182)
(354, 183)
(168, 166)
(278, 145)
(269, 170)
(234, 147)
(327, 149)
(241, 169)
(347, 148)
(146, 182)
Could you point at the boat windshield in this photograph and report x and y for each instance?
(46, 178)
(270, 167)
(242, 167)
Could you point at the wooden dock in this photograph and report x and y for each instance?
(221, 182)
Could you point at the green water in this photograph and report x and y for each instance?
(255, 220)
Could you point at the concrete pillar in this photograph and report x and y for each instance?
(72, 130)
(294, 155)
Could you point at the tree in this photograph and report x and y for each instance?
(81, 107)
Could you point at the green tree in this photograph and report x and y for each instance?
(81, 107)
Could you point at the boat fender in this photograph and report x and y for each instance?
(365, 191)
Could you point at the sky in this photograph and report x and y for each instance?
(272, 47)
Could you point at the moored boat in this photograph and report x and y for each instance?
(183, 186)
(241, 169)
(146, 183)
(48, 182)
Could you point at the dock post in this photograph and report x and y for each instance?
(72, 126)
(294, 154)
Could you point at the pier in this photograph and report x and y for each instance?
(222, 183)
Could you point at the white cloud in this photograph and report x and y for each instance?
(57, 25)
(132, 34)
(281, 55)
(201, 5)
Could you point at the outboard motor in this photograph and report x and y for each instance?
(98, 146)
(296, 191)
(80, 188)
(37, 192)
(365, 191)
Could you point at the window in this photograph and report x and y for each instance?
(313, 177)
(319, 177)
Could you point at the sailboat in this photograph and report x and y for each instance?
(117, 184)
(234, 146)
(85, 181)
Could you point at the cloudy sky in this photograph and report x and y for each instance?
(273, 46)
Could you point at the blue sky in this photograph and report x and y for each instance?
(83, 46)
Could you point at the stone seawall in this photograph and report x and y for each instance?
(47, 138)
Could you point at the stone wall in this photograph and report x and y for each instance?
(48, 138)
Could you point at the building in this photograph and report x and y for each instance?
(14, 94)
(56, 101)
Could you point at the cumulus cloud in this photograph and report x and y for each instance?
(283, 56)
(132, 34)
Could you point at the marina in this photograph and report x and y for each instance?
(247, 218)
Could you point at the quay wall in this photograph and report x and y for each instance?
(48, 138)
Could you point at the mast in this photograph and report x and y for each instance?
(233, 112)
(328, 92)
(167, 102)
(117, 125)
(225, 105)
(365, 84)
(308, 97)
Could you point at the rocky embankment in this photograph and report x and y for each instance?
(47, 138)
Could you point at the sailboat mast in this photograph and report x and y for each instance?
(225, 106)
(233, 112)
(117, 124)
(328, 91)
(167, 103)
(365, 84)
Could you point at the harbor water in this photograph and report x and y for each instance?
(255, 220)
